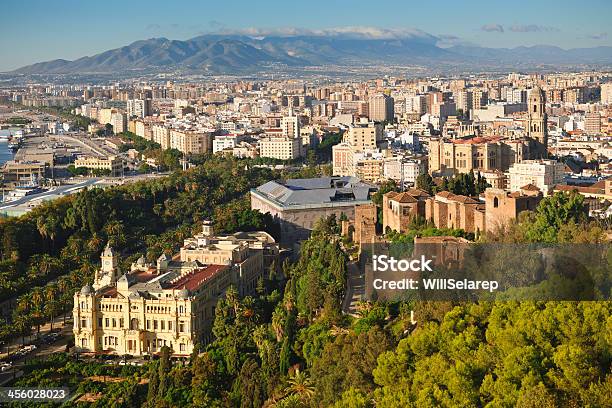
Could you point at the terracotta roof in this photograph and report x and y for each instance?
(194, 279)
(445, 194)
(417, 192)
(391, 194)
(405, 198)
(530, 187)
(111, 291)
(580, 189)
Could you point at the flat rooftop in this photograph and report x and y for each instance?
(316, 191)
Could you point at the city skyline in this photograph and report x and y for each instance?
(64, 31)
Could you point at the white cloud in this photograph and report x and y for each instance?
(356, 32)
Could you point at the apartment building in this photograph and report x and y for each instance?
(140, 108)
(190, 142)
(280, 147)
(363, 136)
(114, 164)
(544, 174)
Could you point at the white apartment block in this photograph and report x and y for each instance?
(544, 174)
(402, 169)
(222, 142)
(139, 107)
(119, 122)
(342, 160)
(290, 126)
(280, 147)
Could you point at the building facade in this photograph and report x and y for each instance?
(170, 303)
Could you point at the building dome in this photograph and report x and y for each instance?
(183, 294)
(87, 290)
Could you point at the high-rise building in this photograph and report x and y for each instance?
(363, 136)
(606, 93)
(463, 100)
(537, 126)
(290, 126)
(139, 107)
(592, 123)
(119, 122)
(381, 108)
(480, 98)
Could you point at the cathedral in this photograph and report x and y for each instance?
(537, 128)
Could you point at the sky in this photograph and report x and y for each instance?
(35, 30)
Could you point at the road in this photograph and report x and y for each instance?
(43, 350)
(355, 289)
(59, 191)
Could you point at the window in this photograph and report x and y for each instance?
(181, 327)
(182, 347)
(83, 323)
(107, 322)
(154, 324)
(99, 322)
(495, 202)
(163, 324)
(121, 322)
(170, 325)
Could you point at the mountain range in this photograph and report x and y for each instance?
(233, 53)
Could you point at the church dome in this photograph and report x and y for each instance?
(87, 290)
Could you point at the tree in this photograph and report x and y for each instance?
(425, 182)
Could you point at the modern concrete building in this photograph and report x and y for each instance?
(381, 108)
(114, 164)
(363, 136)
(280, 147)
(544, 174)
(18, 173)
(140, 108)
(299, 203)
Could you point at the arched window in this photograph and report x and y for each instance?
(495, 202)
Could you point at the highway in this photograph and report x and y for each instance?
(59, 191)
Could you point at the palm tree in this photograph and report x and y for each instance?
(63, 285)
(23, 324)
(50, 301)
(37, 302)
(300, 384)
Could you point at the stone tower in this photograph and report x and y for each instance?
(107, 274)
(537, 121)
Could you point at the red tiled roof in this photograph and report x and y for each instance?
(194, 279)
(580, 189)
(144, 276)
(530, 187)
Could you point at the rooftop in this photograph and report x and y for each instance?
(315, 191)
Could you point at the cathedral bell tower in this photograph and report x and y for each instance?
(537, 119)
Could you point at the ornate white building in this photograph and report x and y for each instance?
(171, 303)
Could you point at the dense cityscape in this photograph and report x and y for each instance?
(271, 227)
